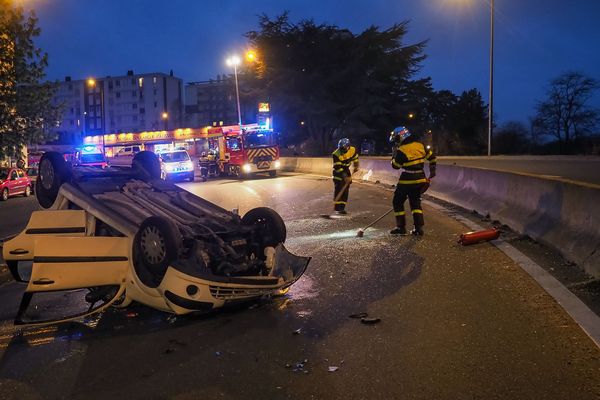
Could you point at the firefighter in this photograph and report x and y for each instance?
(344, 156)
(410, 155)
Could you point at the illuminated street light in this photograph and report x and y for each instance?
(91, 82)
(234, 61)
(251, 56)
(165, 117)
(411, 116)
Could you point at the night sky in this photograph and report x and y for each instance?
(535, 40)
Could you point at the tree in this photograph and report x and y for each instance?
(511, 138)
(565, 113)
(26, 111)
(326, 82)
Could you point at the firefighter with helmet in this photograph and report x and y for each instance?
(343, 157)
(410, 155)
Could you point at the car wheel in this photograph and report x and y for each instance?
(270, 225)
(146, 166)
(53, 172)
(156, 245)
(4, 196)
(273, 173)
(192, 177)
(27, 191)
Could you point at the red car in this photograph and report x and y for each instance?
(14, 181)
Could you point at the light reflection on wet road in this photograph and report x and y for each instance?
(455, 322)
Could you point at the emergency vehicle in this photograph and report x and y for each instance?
(252, 150)
(90, 156)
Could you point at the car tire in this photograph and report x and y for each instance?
(156, 245)
(5, 194)
(271, 226)
(53, 172)
(146, 166)
(192, 177)
(27, 191)
(273, 173)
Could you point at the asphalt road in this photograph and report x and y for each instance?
(456, 322)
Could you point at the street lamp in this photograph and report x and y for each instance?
(491, 101)
(234, 61)
(92, 84)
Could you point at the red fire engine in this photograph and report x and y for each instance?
(252, 150)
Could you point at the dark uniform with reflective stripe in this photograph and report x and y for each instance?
(411, 155)
(342, 177)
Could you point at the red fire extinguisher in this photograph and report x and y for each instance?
(478, 236)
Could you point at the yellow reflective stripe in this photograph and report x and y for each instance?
(339, 202)
(399, 213)
(417, 211)
(414, 162)
(407, 182)
(336, 178)
(349, 154)
(339, 169)
(395, 164)
(338, 163)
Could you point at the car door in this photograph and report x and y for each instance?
(14, 186)
(66, 266)
(22, 180)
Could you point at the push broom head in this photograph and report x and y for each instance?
(360, 233)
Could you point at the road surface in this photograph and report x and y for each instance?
(456, 322)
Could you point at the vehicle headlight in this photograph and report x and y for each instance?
(189, 166)
(277, 164)
(247, 167)
(169, 167)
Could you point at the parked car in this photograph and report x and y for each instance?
(128, 151)
(126, 235)
(176, 165)
(14, 181)
(32, 173)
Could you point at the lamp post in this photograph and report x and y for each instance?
(92, 84)
(491, 100)
(234, 61)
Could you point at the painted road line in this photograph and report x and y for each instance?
(581, 314)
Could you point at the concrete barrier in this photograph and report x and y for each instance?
(561, 214)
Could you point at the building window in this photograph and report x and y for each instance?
(118, 83)
(134, 93)
(155, 92)
(118, 95)
(133, 81)
(142, 110)
(141, 82)
(110, 85)
(155, 104)
(134, 106)
(154, 81)
(134, 118)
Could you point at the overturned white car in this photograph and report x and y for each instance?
(126, 235)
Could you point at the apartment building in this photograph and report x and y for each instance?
(214, 103)
(129, 103)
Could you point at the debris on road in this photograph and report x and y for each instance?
(297, 331)
(358, 315)
(370, 321)
(332, 368)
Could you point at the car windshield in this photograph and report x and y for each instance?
(92, 158)
(175, 156)
(3, 174)
(259, 139)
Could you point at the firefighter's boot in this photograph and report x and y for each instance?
(400, 228)
(419, 222)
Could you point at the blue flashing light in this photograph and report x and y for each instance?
(89, 148)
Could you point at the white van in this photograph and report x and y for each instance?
(128, 151)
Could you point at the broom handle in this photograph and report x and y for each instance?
(378, 219)
(346, 184)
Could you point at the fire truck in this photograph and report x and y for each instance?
(253, 150)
